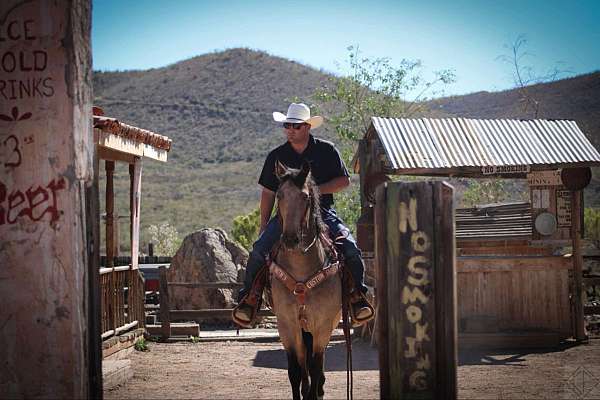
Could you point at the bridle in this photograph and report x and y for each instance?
(307, 217)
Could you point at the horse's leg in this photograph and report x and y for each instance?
(320, 391)
(307, 339)
(304, 372)
(294, 374)
(317, 375)
(292, 340)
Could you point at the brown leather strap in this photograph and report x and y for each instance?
(300, 289)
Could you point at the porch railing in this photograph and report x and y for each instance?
(122, 291)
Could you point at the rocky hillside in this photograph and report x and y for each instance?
(217, 109)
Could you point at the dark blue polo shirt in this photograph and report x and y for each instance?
(324, 159)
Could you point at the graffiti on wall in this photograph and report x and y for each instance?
(24, 76)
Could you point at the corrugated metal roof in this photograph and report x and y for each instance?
(443, 143)
(494, 221)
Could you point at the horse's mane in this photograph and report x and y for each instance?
(294, 175)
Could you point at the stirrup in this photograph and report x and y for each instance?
(356, 296)
(243, 323)
(252, 299)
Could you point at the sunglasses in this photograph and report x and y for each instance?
(293, 125)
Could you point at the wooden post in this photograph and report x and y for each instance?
(577, 265)
(46, 154)
(116, 236)
(419, 357)
(131, 204)
(380, 291)
(165, 316)
(109, 167)
(136, 195)
(94, 298)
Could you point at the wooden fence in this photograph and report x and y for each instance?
(122, 292)
(167, 315)
(126, 260)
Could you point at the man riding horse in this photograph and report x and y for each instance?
(331, 176)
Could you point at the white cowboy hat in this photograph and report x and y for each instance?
(297, 113)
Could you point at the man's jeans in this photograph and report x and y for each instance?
(345, 245)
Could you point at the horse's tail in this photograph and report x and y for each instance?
(307, 338)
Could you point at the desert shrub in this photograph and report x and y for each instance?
(591, 222)
(165, 238)
(245, 228)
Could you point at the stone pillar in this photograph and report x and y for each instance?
(46, 150)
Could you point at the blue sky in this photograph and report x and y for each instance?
(466, 36)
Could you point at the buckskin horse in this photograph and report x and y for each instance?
(305, 287)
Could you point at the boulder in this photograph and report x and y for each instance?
(206, 256)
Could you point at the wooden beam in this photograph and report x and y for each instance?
(131, 197)
(92, 211)
(591, 281)
(512, 263)
(382, 319)
(579, 329)
(420, 284)
(491, 243)
(209, 285)
(446, 328)
(109, 167)
(191, 315)
(105, 153)
(514, 250)
(165, 307)
(591, 310)
(136, 208)
(126, 145)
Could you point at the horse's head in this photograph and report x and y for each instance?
(298, 204)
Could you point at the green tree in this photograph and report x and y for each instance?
(375, 87)
(245, 228)
(367, 88)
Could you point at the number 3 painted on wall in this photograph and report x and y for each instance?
(15, 149)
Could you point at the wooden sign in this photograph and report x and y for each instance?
(540, 198)
(544, 178)
(563, 208)
(416, 290)
(46, 151)
(505, 169)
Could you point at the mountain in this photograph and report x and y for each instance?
(575, 98)
(218, 108)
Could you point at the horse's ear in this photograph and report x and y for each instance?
(280, 169)
(304, 171)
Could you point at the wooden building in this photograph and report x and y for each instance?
(514, 287)
(122, 287)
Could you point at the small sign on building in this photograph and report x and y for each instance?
(505, 169)
(544, 178)
(563, 208)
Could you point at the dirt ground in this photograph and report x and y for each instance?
(248, 370)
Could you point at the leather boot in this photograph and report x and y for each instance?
(361, 310)
(250, 296)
